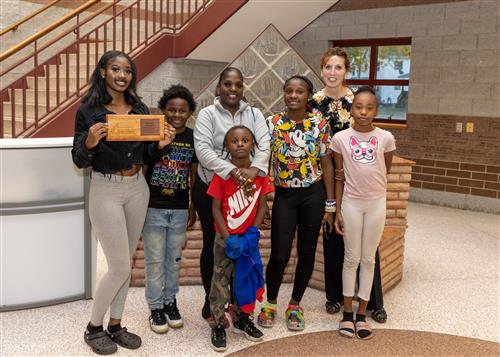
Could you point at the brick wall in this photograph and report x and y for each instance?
(344, 5)
(391, 247)
(476, 179)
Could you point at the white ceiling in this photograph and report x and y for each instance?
(288, 16)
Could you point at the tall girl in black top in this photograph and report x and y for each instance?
(119, 194)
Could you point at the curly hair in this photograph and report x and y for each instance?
(177, 91)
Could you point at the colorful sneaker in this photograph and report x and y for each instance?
(158, 321)
(267, 315)
(218, 338)
(295, 318)
(173, 315)
(245, 325)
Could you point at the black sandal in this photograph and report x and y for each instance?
(100, 342)
(333, 307)
(379, 316)
(126, 339)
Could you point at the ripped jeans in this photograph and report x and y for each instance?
(164, 234)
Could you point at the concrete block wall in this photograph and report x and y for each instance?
(454, 78)
(193, 74)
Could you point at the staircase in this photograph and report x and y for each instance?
(42, 100)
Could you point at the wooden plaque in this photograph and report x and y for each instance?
(135, 127)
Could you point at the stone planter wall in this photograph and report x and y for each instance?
(391, 247)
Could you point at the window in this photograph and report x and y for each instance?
(383, 64)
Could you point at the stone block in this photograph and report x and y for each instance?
(399, 15)
(486, 107)
(401, 213)
(485, 25)
(450, 27)
(488, 41)
(460, 42)
(428, 13)
(489, 7)
(439, 90)
(423, 105)
(391, 213)
(474, 91)
(463, 10)
(418, 59)
(306, 34)
(382, 30)
(327, 33)
(416, 90)
(354, 31)
(412, 28)
(321, 21)
(487, 74)
(425, 74)
(426, 43)
(457, 75)
(342, 18)
(455, 106)
(397, 204)
(369, 16)
(404, 195)
(443, 58)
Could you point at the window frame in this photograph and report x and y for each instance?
(372, 81)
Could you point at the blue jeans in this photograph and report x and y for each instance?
(164, 234)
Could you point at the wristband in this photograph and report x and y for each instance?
(330, 205)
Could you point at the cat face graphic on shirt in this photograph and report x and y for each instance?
(364, 151)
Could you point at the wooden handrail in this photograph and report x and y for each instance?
(48, 29)
(29, 17)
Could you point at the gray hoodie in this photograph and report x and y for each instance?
(211, 126)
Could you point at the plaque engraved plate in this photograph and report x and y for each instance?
(135, 127)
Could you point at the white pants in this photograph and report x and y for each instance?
(364, 222)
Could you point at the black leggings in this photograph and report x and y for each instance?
(333, 253)
(293, 208)
(203, 205)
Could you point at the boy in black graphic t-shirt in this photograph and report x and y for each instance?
(169, 212)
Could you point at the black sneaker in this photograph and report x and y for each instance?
(205, 311)
(174, 317)
(246, 326)
(218, 338)
(158, 321)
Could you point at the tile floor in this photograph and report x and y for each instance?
(451, 284)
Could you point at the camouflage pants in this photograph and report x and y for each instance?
(220, 294)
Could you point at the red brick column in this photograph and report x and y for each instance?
(391, 246)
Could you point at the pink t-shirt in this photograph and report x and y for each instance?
(364, 163)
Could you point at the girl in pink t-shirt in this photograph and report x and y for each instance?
(363, 155)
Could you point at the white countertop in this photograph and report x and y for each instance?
(35, 143)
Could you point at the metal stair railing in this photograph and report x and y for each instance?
(62, 66)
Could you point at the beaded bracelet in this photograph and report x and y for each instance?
(330, 205)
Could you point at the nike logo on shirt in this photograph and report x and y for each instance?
(235, 202)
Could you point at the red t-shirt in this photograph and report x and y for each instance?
(238, 211)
